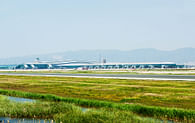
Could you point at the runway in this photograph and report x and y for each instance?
(114, 76)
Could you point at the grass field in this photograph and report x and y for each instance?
(147, 111)
(172, 94)
(62, 112)
(179, 94)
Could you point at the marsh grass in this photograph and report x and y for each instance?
(174, 100)
(177, 94)
(33, 110)
(67, 113)
(103, 116)
(151, 111)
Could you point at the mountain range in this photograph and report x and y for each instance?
(180, 56)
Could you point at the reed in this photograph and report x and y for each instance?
(67, 113)
(102, 115)
(152, 111)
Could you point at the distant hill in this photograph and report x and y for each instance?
(184, 55)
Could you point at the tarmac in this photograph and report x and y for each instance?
(113, 76)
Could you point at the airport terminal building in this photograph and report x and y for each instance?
(90, 65)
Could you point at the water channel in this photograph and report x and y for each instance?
(24, 120)
(19, 99)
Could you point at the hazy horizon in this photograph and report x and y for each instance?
(46, 26)
(181, 56)
(38, 54)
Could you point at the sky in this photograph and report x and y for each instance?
(47, 26)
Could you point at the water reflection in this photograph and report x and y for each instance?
(22, 120)
(17, 120)
(19, 99)
(84, 109)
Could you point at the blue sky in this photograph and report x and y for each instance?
(46, 26)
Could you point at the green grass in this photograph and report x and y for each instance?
(103, 116)
(161, 99)
(67, 113)
(176, 94)
(157, 112)
(38, 109)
